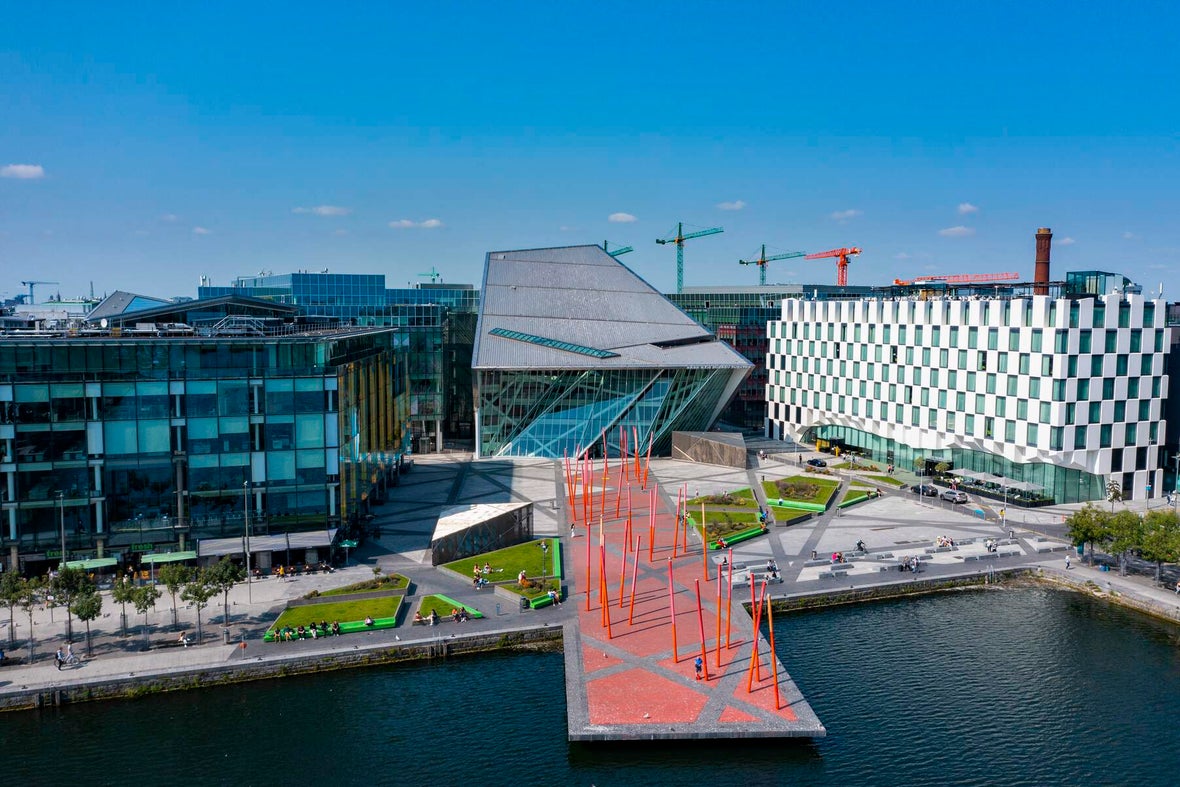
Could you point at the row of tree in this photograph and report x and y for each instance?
(1154, 536)
(76, 592)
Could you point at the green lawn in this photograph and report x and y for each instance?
(742, 498)
(506, 565)
(722, 523)
(803, 489)
(340, 611)
(388, 582)
(884, 479)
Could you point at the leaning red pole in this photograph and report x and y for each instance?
(773, 660)
(634, 574)
(729, 600)
(718, 608)
(701, 625)
(672, 612)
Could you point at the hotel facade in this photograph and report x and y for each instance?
(1044, 397)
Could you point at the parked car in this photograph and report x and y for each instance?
(925, 490)
(817, 463)
(954, 496)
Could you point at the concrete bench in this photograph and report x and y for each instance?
(1011, 551)
(816, 562)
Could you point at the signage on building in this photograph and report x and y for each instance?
(142, 547)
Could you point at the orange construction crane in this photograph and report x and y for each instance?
(959, 278)
(841, 256)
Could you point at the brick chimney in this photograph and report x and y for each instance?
(1041, 270)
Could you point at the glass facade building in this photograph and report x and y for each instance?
(123, 444)
(572, 348)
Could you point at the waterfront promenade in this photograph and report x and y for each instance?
(898, 523)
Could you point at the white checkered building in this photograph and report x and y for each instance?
(1053, 397)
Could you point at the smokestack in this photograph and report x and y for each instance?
(1041, 270)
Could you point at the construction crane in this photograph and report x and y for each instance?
(841, 256)
(763, 259)
(432, 274)
(617, 252)
(679, 238)
(33, 284)
(959, 278)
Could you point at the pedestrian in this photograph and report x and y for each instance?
(573, 533)
(58, 658)
(1067, 562)
(699, 664)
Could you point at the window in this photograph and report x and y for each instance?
(1133, 388)
(1079, 436)
(1002, 407)
(952, 379)
(1071, 366)
(991, 384)
(993, 338)
(969, 425)
(1070, 411)
(1095, 365)
(960, 401)
(1010, 431)
(1124, 314)
(1099, 319)
(1148, 314)
(1120, 366)
(1013, 340)
(1046, 365)
(1012, 383)
(1084, 341)
(973, 338)
(1045, 408)
(1061, 342)
(1108, 388)
(936, 334)
(950, 422)
(1112, 341)
(1022, 409)
(1131, 434)
(918, 334)
(1034, 387)
(1083, 390)
(1036, 340)
(979, 403)
(1002, 365)
(1032, 434)
(1095, 412)
(1144, 410)
(1136, 340)
(954, 336)
(962, 359)
(943, 358)
(1059, 390)
(1073, 314)
(1145, 366)
(1104, 433)
(989, 425)
(971, 381)
(942, 399)
(1120, 410)
(1056, 435)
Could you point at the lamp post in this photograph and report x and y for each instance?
(544, 556)
(246, 543)
(61, 509)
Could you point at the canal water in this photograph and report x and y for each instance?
(1018, 687)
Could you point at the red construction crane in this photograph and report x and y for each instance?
(960, 278)
(841, 256)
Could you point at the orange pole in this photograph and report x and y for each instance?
(756, 609)
(773, 659)
(589, 573)
(676, 530)
(623, 450)
(606, 597)
(761, 606)
(623, 567)
(704, 544)
(647, 464)
(672, 613)
(651, 527)
(701, 625)
(602, 503)
(635, 434)
(634, 574)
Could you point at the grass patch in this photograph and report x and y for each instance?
(802, 489)
(742, 498)
(387, 582)
(506, 565)
(885, 479)
(341, 611)
(720, 524)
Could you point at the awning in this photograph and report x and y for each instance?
(169, 557)
(94, 562)
(1022, 486)
(312, 539)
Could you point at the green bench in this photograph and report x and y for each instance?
(348, 627)
(472, 611)
(541, 601)
(740, 536)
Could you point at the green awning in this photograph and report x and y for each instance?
(94, 562)
(168, 557)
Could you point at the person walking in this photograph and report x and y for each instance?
(58, 658)
(1067, 562)
(699, 664)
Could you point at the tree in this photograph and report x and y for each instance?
(1088, 525)
(197, 592)
(123, 592)
(942, 467)
(65, 585)
(1114, 493)
(1126, 533)
(10, 594)
(87, 607)
(223, 575)
(920, 465)
(144, 598)
(29, 596)
(174, 576)
(1161, 538)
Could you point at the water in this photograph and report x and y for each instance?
(1019, 687)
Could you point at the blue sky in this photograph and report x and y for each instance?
(142, 149)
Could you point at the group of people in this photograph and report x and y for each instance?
(428, 620)
(945, 541)
(67, 657)
(838, 557)
(991, 544)
(479, 576)
(290, 571)
(313, 630)
(911, 563)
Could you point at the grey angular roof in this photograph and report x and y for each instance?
(117, 303)
(583, 296)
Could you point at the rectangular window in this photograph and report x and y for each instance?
(1108, 388)
(1144, 410)
(1012, 384)
(1084, 341)
(1059, 390)
(1095, 412)
(952, 379)
(960, 401)
(954, 336)
(962, 359)
(1136, 340)
(1013, 340)
(1104, 433)
(1032, 434)
(1070, 410)
(1071, 366)
(991, 384)
(950, 422)
(1056, 435)
(1034, 387)
(979, 403)
(1047, 365)
(1010, 431)
(1124, 314)
(989, 425)
(943, 358)
(1083, 390)
(1045, 408)
(1061, 342)
(1079, 435)
(942, 399)
(1024, 363)
(971, 382)
(969, 425)
(1073, 314)
(1112, 341)
(1096, 365)
(1002, 407)
(1131, 434)
(973, 338)
(936, 335)
(918, 335)
(993, 338)
(1036, 340)
(1099, 315)
(1133, 388)
(1120, 410)
(1148, 314)
(1120, 365)
(1022, 409)
(1145, 366)
(1002, 363)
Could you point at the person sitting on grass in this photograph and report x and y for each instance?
(368, 620)
(418, 619)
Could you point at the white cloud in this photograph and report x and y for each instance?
(737, 204)
(324, 210)
(169, 218)
(1066, 241)
(967, 207)
(621, 218)
(405, 224)
(1130, 236)
(22, 171)
(957, 232)
(845, 215)
(201, 231)
(901, 255)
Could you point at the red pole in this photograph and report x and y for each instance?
(651, 527)
(756, 609)
(701, 625)
(623, 450)
(704, 544)
(718, 608)
(672, 613)
(589, 573)
(602, 504)
(606, 598)
(634, 574)
(773, 659)
(635, 434)
(729, 600)
(623, 567)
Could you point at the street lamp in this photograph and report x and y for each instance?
(61, 508)
(544, 556)
(246, 543)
